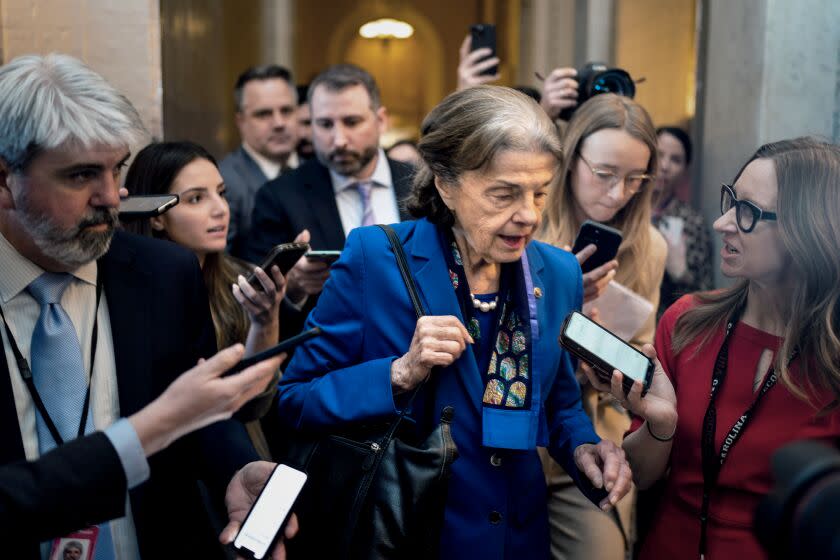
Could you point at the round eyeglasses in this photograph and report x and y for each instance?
(633, 182)
(747, 214)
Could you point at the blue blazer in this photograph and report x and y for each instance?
(496, 506)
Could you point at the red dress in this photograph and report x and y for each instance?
(745, 478)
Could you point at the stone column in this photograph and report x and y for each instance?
(120, 39)
(278, 34)
(768, 70)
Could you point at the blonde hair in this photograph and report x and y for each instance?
(808, 176)
(560, 226)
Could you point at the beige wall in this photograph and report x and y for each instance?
(120, 39)
(656, 39)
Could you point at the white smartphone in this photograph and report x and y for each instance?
(270, 512)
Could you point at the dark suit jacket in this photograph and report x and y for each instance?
(243, 178)
(160, 325)
(305, 199)
(74, 485)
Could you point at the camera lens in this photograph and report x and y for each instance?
(614, 81)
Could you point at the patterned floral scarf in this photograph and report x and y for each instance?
(508, 376)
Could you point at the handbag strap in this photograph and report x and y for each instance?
(402, 263)
(414, 296)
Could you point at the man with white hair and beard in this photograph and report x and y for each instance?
(97, 322)
(349, 184)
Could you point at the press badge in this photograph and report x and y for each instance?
(75, 546)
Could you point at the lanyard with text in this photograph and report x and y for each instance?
(712, 461)
(26, 372)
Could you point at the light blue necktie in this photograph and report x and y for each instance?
(58, 372)
(365, 188)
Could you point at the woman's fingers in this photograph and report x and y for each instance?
(585, 253)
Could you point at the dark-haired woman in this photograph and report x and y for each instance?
(199, 222)
(749, 368)
(688, 267)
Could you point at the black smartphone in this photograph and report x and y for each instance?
(484, 35)
(284, 256)
(605, 238)
(605, 352)
(282, 346)
(268, 516)
(328, 257)
(146, 205)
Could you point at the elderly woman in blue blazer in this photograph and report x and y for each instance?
(495, 301)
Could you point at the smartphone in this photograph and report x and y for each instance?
(284, 256)
(328, 257)
(283, 346)
(605, 352)
(606, 239)
(270, 512)
(146, 206)
(484, 35)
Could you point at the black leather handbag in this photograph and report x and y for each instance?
(374, 491)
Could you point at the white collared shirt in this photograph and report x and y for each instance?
(382, 196)
(270, 168)
(79, 301)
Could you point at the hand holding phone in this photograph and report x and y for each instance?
(284, 256)
(605, 352)
(607, 240)
(478, 62)
(270, 513)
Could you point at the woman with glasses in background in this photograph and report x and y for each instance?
(747, 368)
(610, 144)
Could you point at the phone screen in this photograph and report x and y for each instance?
(270, 511)
(607, 347)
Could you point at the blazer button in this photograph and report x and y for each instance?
(495, 517)
(495, 460)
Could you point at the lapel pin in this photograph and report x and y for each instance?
(537, 292)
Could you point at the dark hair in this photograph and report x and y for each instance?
(341, 76)
(303, 93)
(152, 172)
(680, 135)
(154, 169)
(465, 132)
(264, 72)
(531, 92)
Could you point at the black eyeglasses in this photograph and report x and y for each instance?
(747, 213)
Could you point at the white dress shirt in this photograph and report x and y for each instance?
(79, 301)
(270, 168)
(382, 196)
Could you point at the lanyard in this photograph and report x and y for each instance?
(713, 462)
(26, 372)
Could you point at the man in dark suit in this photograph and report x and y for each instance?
(129, 315)
(266, 116)
(85, 481)
(351, 182)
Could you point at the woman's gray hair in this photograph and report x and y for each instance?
(465, 132)
(55, 100)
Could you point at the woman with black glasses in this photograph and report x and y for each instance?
(748, 368)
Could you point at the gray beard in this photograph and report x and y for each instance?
(74, 247)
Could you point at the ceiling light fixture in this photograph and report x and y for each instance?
(386, 28)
